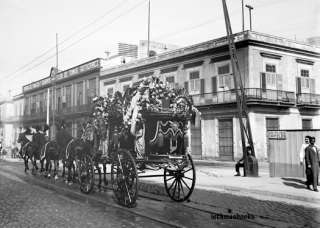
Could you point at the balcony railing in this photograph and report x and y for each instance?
(308, 99)
(253, 95)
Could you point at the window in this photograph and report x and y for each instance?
(306, 124)
(224, 69)
(59, 99)
(271, 68)
(79, 93)
(194, 77)
(110, 91)
(91, 92)
(170, 81)
(305, 83)
(68, 96)
(125, 87)
(272, 124)
(304, 73)
(225, 78)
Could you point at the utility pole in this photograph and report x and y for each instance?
(148, 45)
(250, 8)
(245, 128)
(242, 15)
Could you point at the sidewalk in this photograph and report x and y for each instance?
(213, 177)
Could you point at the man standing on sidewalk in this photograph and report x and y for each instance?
(312, 163)
(302, 153)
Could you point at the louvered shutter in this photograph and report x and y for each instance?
(298, 85)
(279, 82)
(186, 86)
(312, 86)
(202, 86)
(263, 82)
(214, 84)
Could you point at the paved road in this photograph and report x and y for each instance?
(28, 201)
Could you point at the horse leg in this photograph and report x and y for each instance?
(50, 168)
(47, 167)
(26, 168)
(41, 164)
(63, 168)
(56, 167)
(100, 177)
(105, 174)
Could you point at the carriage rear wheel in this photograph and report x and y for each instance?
(124, 178)
(86, 174)
(179, 183)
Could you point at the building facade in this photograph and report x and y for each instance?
(66, 94)
(280, 76)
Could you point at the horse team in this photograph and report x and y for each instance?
(36, 146)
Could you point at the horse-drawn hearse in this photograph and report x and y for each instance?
(144, 130)
(150, 135)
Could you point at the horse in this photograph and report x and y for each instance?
(49, 153)
(92, 137)
(26, 149)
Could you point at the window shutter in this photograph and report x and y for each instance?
(312, 86)
(263, 82)
(202, 87)
(214, 84)
(186, 86)
(279, 82)
(298, 85)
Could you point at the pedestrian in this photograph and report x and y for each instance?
(304, 145)
(312, 163)
(240, 163)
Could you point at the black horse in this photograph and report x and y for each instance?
(49, 154)
(27, 150)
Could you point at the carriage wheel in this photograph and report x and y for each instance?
(86, 174)
(179, 183)
(124, 178)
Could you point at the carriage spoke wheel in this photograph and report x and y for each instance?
(179, 183)
(86, 174)
(124, 178)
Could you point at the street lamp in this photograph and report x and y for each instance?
(250, 8)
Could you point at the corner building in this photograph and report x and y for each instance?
(71, 92)
(280, 76)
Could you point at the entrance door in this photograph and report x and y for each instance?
(226, 139)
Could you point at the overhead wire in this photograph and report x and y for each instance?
(66, 39)
(88, 35)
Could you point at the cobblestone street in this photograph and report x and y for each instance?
(33, 201)
(25, 205)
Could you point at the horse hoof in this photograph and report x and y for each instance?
(70, 183)
(66, 181)
(56, 177)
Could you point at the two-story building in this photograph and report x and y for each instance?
(281, 79)
(70, 91)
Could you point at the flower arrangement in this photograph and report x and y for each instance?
(149, 95)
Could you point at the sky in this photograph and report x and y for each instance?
(86, 29)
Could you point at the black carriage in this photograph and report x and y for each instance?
(159, 142)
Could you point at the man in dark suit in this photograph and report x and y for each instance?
(240, 163)
(312, 163)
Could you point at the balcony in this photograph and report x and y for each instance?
(75, 110)
(34, 117)
(254, 96)
(308, 100)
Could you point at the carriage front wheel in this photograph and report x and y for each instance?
(124, 178)
(86, 174)
(179, 181)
